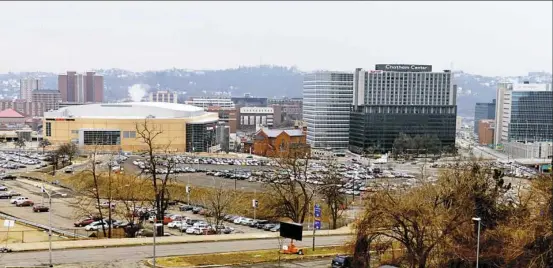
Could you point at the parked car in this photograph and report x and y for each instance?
(186, 208)
(97, 225)
(40, 208)
(86, 221)
(120, 224)
(3, 188)
(106, 204)
(276, 228)
(257, 223)
(24, 203)
(175, 224)
(19, 198)
(196, 210)
(237, 220)
(192, 230)
(342, 261)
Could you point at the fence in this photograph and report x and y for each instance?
(30, 236)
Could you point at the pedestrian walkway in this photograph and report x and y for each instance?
(122, 242)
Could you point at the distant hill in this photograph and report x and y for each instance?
(269, 81)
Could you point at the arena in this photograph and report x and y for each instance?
(114, 126)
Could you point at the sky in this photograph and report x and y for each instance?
(487, 38)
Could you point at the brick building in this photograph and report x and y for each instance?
(276, 142)
(485, 131)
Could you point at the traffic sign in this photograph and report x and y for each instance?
(255, 203)
(317, 211)
(318, 224)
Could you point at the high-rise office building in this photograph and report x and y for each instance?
(327, 98)
(401, 98)
(163, 96)
(524, 113)
(483, 110)
(27, 85)
(81, 88)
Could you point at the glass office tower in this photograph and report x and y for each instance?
(531, 116)
(327, 98)
(402, 98)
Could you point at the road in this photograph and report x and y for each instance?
(143, 252)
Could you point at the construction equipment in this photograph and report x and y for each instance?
(291, 249)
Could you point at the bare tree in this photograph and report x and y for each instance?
(44, 143)
(148, 133)
(218, 201)
(19, 143)
(333, 198)
(292, 194)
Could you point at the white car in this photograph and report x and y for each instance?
(192, 230)
(238, 220)
(94, 226)
(3, 188)
(174, 224)
(200, 225)
(184, 226)
(18, 199)
(245, 221)
(200, 230)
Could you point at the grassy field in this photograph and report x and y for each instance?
(246, 257)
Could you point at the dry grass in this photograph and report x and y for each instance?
(23, 234)
(246, 257)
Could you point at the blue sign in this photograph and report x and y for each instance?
(317, 211)
(318, 224)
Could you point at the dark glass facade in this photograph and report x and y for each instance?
(101, 137)
(199, 137)
(377, 127)
(531, 116)
(483, 111)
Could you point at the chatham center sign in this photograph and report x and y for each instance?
(403, 67)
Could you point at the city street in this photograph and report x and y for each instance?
(138, 253)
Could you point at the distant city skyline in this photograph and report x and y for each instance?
(487, 38)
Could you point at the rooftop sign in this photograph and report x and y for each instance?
(403, 68)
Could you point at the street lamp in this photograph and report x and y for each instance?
(479, 220)
(156, 225)
(49, 223)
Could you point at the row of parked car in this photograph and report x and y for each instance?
(22, 201)
(259, 224)
(16, 160)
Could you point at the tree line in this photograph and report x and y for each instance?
(433, 225)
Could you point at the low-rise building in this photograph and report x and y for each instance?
(163, 96)
(276, 142)
(535, 150)
(251, 117)
(486, 131)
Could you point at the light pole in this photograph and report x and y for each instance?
(156, 225)
(50, 224)
(477, 219)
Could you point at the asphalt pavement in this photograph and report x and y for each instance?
(138, 253)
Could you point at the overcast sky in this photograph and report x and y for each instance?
(492, 38)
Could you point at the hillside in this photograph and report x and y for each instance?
(269, 81)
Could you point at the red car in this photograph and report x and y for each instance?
(86, 221)
(40, 208)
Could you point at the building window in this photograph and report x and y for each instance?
(74, 132)
(100, 137)
(48, 129)
(129, 134)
